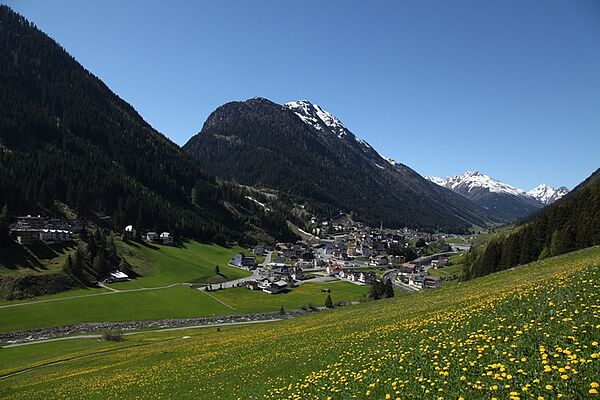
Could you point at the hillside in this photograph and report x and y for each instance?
(65, 136)
(307, 152)
(571, 223)
(527, 333)
(505, 202)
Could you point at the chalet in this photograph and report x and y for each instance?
(345, 273)
(441, 261)
(397, 260)
(242, 261)
(379, 261)
(249, 262)
(54, 236)
(303, 264)
(366, 277)
(259, 250)
(26, 236)
(30, 222)
(130, 232)
(333, 269)
(461, 247)
(237, 260)
(407, 268)
(275, 287)
(432, 281)
(151, 236)
(252, 285)
(117, 276)
(297, 275)
(166, 238)
(416, 280)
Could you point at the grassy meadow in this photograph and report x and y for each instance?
(527, 333)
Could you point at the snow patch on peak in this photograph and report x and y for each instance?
(547, 194)
(315, 115)
(472, 180)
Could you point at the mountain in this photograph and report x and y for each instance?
(301, 149)
(504, 201)
(65, 137)
(571, 223)
(546, 194)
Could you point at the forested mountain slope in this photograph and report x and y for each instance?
(301, 149)
(64, 135)
(570, 223)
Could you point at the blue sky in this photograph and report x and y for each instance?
(509, 88)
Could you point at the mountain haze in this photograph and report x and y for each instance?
(301, 149)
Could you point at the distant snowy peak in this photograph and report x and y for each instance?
(473, 180)
(316, 116)
(547, 194)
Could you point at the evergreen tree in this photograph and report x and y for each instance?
(328, 302)
(389, 289)
(4, 226)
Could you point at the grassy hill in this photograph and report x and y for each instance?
(530, 332)
(161, 291)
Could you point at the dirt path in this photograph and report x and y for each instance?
(114, 291)
(214, 298)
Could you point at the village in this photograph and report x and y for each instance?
(349, 251)
(339, 249)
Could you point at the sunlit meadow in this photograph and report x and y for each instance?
(528, 333)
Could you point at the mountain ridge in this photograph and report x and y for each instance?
(506, 201)
(306, 151)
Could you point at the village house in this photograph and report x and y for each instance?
(151, 236)
(130, 232)
(432, 281)
(366, 277)
(333, 269)
(441, 261)
(273, 287)
(297, 274)
(396, 260)
(252, 285)
(379, 261)
(166, 238)
(55, 236)
(407, 268)
(117, 276)
(259, 250)
(26, 236)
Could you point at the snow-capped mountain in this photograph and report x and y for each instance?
(505, 200)
(547, 194)
(473, 180)
(322, 120)
(315, 116)
(301, 149)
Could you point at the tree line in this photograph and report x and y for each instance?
(570, 224)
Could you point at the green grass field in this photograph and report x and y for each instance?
(174, 302)
(164, 265)
(529, 332)
(248, 301)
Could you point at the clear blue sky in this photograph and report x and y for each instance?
(510, 88)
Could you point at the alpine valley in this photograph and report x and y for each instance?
(275, 255)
